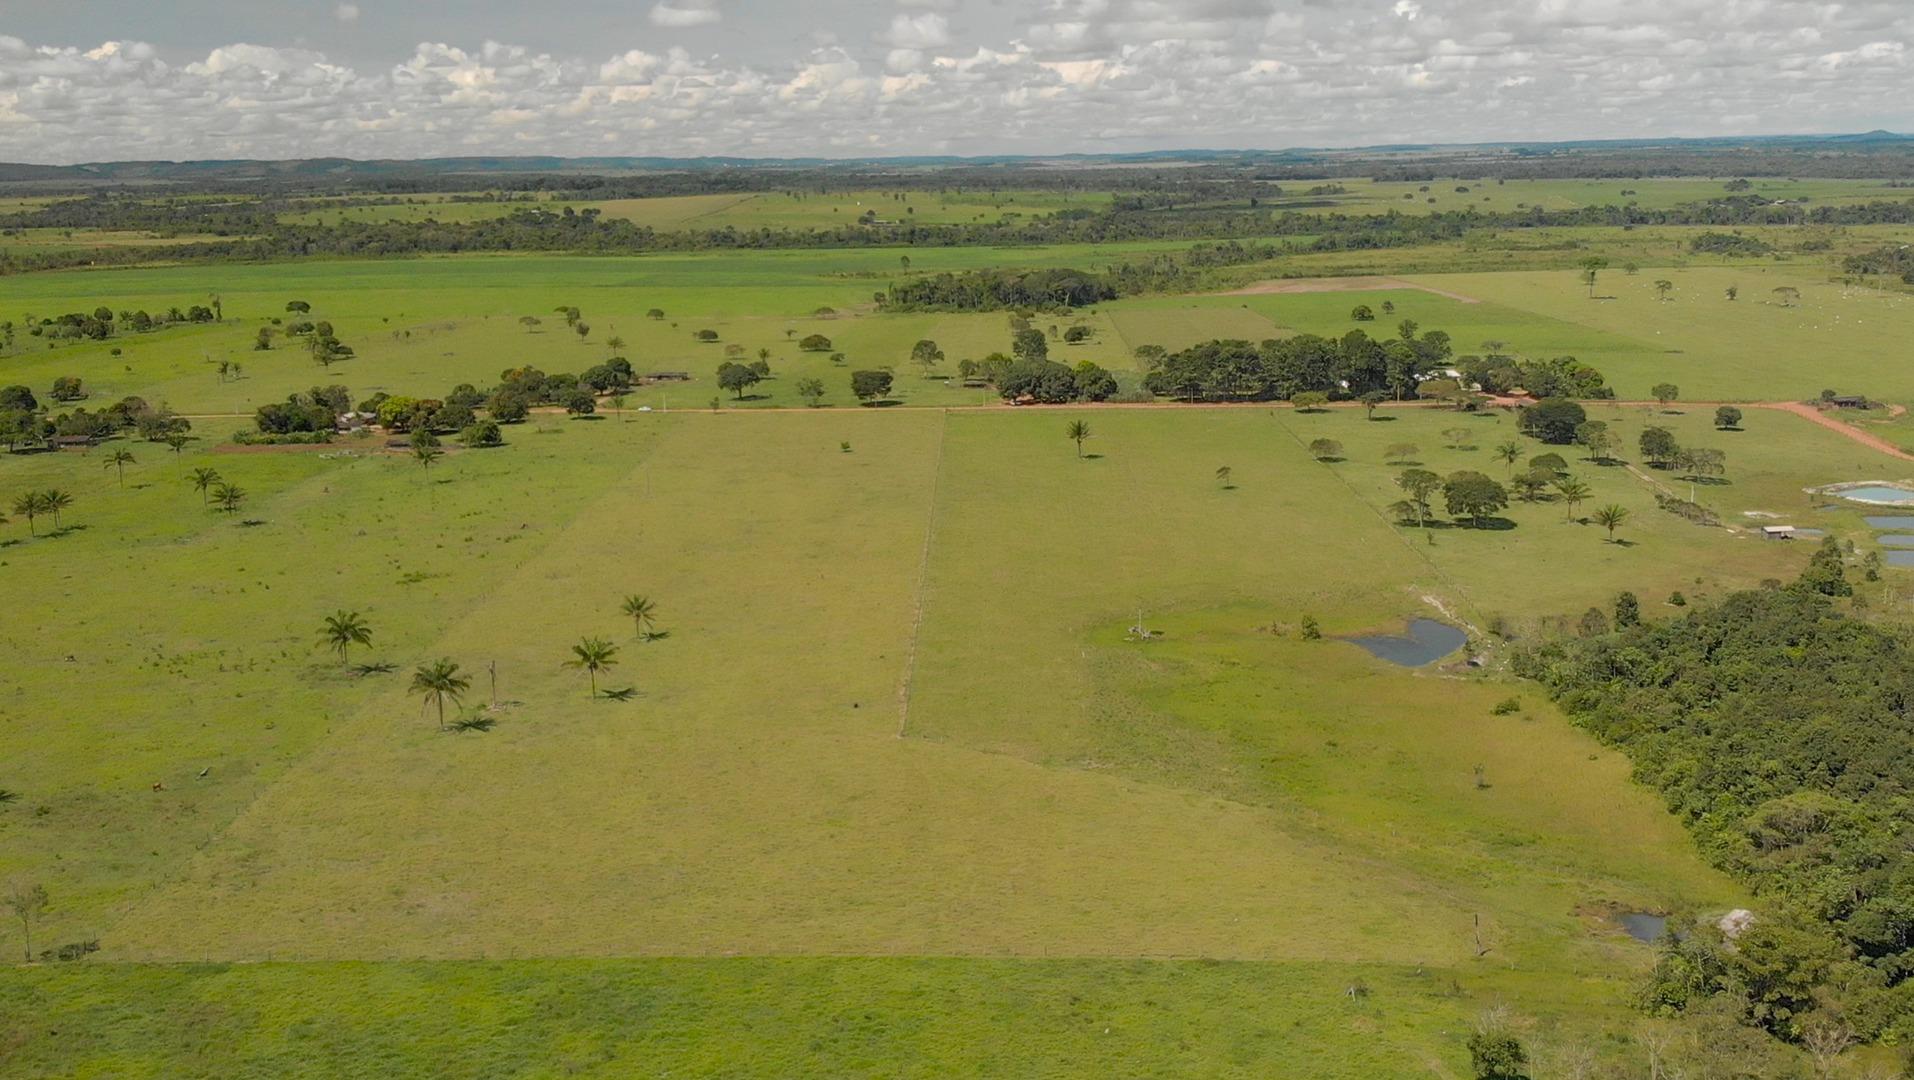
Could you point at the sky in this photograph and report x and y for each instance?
(109, 80)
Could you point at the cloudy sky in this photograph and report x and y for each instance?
(91, 80)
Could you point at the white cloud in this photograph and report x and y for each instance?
(346, 13)
(1071, 75)
(679, 13)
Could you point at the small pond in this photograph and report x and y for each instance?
(1878, 494)
(1898, 558)
(1425, 642)
(1889, 522)
(1642, 926)
(1896, 540)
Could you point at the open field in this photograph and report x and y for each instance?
(422, 326)
(1224, 793)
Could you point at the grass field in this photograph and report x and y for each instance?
(897, 793)
(885, 783)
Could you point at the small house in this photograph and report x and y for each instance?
(1849, 401)
(75, 442)
(1777, 532)
(666, 376)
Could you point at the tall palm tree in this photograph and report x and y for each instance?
(30, 506)
(436, 681)
(1076, 433)
(426, 455)
(204, 479)
(614, 343)
(1610, 517)
(344, 630)
(1509, 453)
(176, 442)
(593, 655)
(643, 611)
(1572, 491)
(55, 500)
(120, 459)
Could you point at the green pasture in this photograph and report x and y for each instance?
(897, 716)
(1362, 195)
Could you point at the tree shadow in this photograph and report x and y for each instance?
(886, 403)
(589, 418)
(1489, 524)
(1709, 481)
(251, 523)
(1383, 419)
(1620, 542)
(1332, 460)
(1091, 457)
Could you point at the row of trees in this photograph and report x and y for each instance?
(1352, 366)
(24, 422)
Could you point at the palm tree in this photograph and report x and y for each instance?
(617, 402)
(426, 455)
(437, 681)
(1076, 433)
(204, 479)
(643, 611)
(1509, 453)
(344, 630)
(176, 442)
(30, 506)
(1572, 491)
(120, 459)
(1610, 517)
(54, 500)
(614, 343)
(593, 655)
(229, 496)
(1223, 473)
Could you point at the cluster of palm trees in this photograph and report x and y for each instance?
(34, 505)
(213, 489)
(443, 680)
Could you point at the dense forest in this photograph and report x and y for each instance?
(1782, 733)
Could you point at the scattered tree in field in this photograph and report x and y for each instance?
(68, 388)
(593, 655)
(30, 506)
(1591, 271)
(1787, 295)
(1665, 392)
(1509, 453)
(262, 341)
(1572, 492)
(55, 500)
(1662, 288)
(571, 314)
(868, 386)
(1494, 1051)
(1370, 402)
(1552, 420)
(1403, 451)
(1594, 624)
(737, 378)
(1029, 344)
(1077, 335)
(1472, 495)
(1388, 307)
(26, 902)
(425, 454)
(583, 330)
(763, 366)
(1658, 446)
(1728, 418)
(530, 322)
(1732, 292)
(298, 307)
(811, 390)
(203, 480)
(655, 314)
(1363, 313)
(1325, 450)
(1594, 436)
(642, 611)
(229, 497)
(1701, 462)
(1076, 432)
(615, 344)
(436, 682)
(1310, 401)
(581, 402)
(707, 336)
(1611, 517)
(1223, 473)
(343, 630)
(815, 343)
(1420, 485)
(1458, 438)
(1628, 610)
(1529, 484)
(119, 460)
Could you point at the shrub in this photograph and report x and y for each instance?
(1507, 706)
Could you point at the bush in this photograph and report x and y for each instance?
(1507, 706)
(1552, 421)
(482, 433)
(290, 438)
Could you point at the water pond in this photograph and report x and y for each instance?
(1425, 642)
(1895, 540)
(1898, 558)
(1879, 494)
(1642, 926)
(1889, 522)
